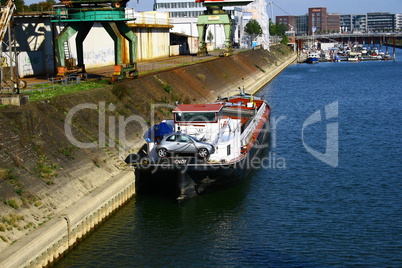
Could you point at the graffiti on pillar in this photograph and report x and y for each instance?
(104, 56)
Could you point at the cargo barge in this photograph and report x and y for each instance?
(204, 147)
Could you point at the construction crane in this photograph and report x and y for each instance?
(8, 67)
(6, 15)
(216, 15)
(79, 16)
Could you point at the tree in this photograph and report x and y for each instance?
(272, 28)
(210, 36)
(253, 28)
(43, 5)
(284, 40)
(281, 29)
(278, 29)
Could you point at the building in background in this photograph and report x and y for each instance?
(180, 9)
(320, 21)
(289, 21)
(301, 25)
(380, 22)
(184, 15)
(323, 22)
(398, 22)
(353, 23)
(333, 23)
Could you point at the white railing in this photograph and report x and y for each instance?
(246, 135)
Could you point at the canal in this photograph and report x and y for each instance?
(329, 195)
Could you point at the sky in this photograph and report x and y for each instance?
(300, 7)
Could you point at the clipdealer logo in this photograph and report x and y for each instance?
(116, 133)
(330, 156)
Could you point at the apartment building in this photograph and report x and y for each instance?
(289, 21)
(352, 23)
(319, 20)
(398, 22)
(380, 22)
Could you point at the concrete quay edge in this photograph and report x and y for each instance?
(48, 242)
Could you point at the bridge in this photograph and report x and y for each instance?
(388, 39)
(349, 35)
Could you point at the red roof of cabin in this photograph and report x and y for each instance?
(215, 107)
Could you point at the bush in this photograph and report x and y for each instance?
(167, 88)
(13, 202)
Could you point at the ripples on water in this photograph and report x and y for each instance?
(308, 214)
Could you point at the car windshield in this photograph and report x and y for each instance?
(194, 139)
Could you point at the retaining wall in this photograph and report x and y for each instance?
(47, 243)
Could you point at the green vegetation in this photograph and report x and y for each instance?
(7, 174)
(253, 28)
(97, 161)
(45, 171)
(29, 225)
(283, 49)
(398, 42)
(284, 40)
(278, 29)
(210, 36)
(19, 190)
(13, 202)
(11, 221)
(40, 6)
(119, 90)
(201, 77)
(49, 92)
(67, 150)
(167, 87)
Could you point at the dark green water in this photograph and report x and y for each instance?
(299, 211)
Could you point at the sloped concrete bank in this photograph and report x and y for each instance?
(54, 192)
(46, 244)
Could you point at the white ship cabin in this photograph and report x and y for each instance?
(207, 123)
(228, 125)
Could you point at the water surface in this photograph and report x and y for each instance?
(297, 212)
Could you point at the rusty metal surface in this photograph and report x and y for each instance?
(7, 13)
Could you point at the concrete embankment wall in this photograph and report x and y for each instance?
(64, 191)
(46, 244)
